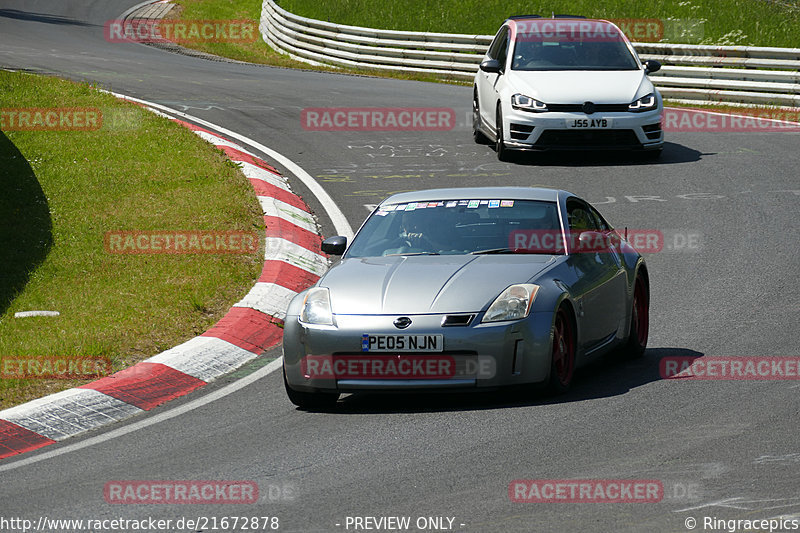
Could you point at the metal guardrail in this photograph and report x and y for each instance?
(690, 72)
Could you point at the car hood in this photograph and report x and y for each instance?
(577, 87)
(426, 284)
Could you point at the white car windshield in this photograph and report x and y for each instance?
(460, 226)
(571, 46)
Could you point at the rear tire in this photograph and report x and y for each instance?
(562, 364)
(640, 321)
(311, 401)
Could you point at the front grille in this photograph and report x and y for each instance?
(520, 132)
(578, 108)
(457, 320)
(588, 139)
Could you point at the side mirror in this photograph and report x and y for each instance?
(593, 241)
(334, 245)
(651, 66)
(491, 66)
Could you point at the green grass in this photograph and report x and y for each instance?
(253, 52)
(725, 22)
(258, 51)
(63, 190)
(720, 22)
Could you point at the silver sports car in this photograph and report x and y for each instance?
(466, 289)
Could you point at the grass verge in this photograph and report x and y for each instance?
(258, 51)
(721, 22)
(63, 190)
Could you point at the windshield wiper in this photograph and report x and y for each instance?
(509, 251)
(413, 253)
(493, 251)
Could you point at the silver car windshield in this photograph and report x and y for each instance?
(572, 50)
(459, 226)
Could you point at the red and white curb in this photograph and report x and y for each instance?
(251, 326)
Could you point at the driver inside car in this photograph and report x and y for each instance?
(424, 231)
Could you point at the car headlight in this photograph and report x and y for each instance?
(645, 103)
(526, 103)
(513, 303)
(317, 307)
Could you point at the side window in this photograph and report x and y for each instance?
(503, 54)
(580, 217)
(499, 47)
(601, 223)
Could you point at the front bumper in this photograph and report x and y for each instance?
(525, 130)
(503, 353)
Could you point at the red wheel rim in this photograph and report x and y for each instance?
(563, 348)
(641, 319)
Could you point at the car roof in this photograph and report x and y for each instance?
(539, 17)
(559, 18)
(479, 193)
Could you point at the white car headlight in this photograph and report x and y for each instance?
(317, 307)
(526, 103)
(645, 103)
(513, 303)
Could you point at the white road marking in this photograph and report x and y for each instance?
(279, 249)
(269, 298)
(161, 417)
(786, 459)
(741, 503)
(69, 413)
(204, 358)
(276, 208)
(257, 173)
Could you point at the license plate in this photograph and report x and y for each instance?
(589, 123)
(402, 343)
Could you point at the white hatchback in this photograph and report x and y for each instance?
(565, 84)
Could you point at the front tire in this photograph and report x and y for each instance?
(311, 401)
(562, 364)
(503, 153)
(477, 134)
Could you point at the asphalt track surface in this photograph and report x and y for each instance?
(724, 449)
